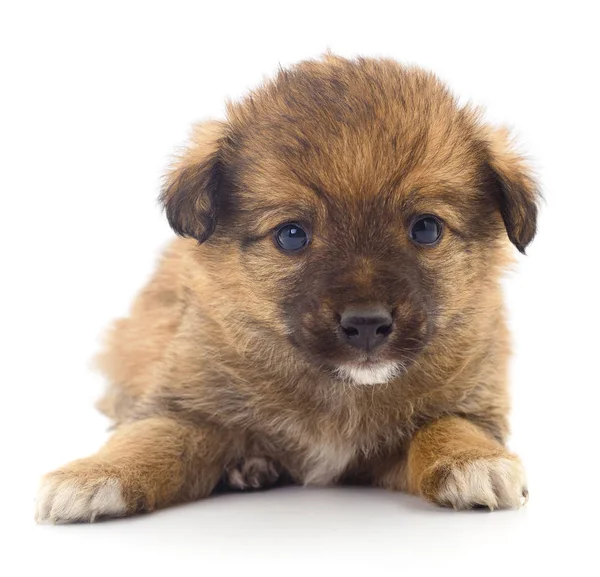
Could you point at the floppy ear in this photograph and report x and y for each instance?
(516, 190)
(190, 192)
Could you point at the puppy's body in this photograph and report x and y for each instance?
(184, 358)
(235, 362)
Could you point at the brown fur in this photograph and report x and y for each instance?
(228, 354)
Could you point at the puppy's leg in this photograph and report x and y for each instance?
(252, 473)
(455, 463)
(145, 465)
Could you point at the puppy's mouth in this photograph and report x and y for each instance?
(369, 372)
(347, 362)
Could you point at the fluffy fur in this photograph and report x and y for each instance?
(231, 366)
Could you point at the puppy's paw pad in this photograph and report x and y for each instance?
(491, 482)
(252, 473)
(63, 499)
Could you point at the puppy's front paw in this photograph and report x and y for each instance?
(252, 473)
(496, 482)
(68, 496)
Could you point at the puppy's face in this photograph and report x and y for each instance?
(364, 210)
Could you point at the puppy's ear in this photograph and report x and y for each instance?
(515, 189)
(191, 189)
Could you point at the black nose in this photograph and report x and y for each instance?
(366, 328)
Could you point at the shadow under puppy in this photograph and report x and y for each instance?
(332, 312)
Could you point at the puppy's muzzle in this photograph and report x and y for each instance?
(366, 328)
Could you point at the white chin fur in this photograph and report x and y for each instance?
(376, 374)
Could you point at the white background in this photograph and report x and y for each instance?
(94, 99)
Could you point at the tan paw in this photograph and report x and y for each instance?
(495, 482)
(252, 473)
(69, 498)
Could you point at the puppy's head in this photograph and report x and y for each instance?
(354, 210)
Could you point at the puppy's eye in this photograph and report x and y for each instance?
(291, 237)
(426, 229)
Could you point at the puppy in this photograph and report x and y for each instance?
(332, 311)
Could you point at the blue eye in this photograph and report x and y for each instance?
(291, 237)
(426, 229)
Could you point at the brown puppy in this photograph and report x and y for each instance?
(333, 311)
